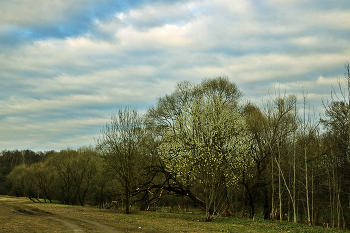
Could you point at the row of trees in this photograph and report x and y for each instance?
(201, 142)
(66, 176)
(10, 159)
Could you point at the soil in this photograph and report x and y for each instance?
(19, 215)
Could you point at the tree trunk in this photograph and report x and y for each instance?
(279, 184)
(266, 204)
(294, 171)
(306, 170)
(272, 189)
(127, 201)
(252, 209)
(144, 202)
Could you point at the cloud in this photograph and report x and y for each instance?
(151, 16)
(67, 65)
(39, 19)
(328, 81)
(47, 135)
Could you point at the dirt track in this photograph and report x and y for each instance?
(70, 225)
(104, 228)
(19, 215)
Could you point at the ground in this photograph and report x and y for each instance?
(19, 215)
(22, 215)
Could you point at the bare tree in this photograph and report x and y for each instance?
(120, 144)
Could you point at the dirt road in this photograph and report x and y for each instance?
(75, 228)
(20, 215)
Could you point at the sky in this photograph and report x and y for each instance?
(66, 66)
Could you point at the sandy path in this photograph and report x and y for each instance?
(104, 228)
(70, 225)
(13, 200)
(58, 217)
(76, 228)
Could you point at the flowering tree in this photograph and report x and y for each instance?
(207, 144)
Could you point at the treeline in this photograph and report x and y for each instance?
(10, 159)
(202, 146)
(68, 176)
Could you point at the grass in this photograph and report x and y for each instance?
(21, 215)
(14, 218)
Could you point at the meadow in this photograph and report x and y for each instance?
(21, 215)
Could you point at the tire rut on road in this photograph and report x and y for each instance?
(70, 225)
(105, 228)
(76, 228)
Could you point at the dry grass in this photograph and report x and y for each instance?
(14, 219)
(20, 215)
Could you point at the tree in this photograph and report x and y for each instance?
(73, 172)
(270, 127)
(120, 145)
(207, 144)
(337, 137)
(168, 109)
(62, 167)
(19, 179)
(85, 169)
(42, 177)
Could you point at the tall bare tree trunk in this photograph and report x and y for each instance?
(347, 76)
(312, 195)
(306, 170)
(285, 183)
(279, 183)
(273, 189)
(333, 193)
(294, 169)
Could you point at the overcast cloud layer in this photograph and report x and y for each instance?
(65, 66)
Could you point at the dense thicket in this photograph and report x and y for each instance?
(202, 146)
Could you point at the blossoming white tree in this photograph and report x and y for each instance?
(207, 144)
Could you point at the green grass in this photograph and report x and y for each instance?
(163, 221)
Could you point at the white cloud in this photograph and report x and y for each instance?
(337, 19)
(167, 35)
(20, 13)
(62, 88)
(22, 133)
(328, 81)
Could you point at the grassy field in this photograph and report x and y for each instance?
(21, 215)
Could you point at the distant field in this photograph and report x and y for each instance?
(21, 215)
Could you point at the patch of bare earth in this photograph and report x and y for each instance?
(19, 215)
(14, 219)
